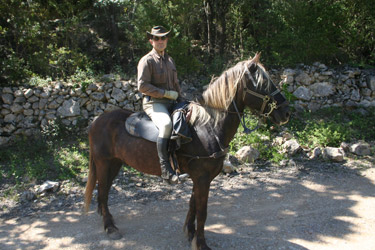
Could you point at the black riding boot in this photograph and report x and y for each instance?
(166, 169)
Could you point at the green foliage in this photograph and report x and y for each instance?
(330, 127)
(327, 127)
(72, 161)
(58, 38)
(25, 159)
(261, 139)
(288, 95)
(39, 159)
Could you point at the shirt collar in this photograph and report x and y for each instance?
(156, 54)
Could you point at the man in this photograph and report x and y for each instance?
(157, 80)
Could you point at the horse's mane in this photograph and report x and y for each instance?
(221, 91)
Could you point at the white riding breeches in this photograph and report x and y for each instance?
(159, 114)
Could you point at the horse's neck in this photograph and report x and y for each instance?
(227, 127)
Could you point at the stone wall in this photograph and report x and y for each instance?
(317, 86)
(26, 111)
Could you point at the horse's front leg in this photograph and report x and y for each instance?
(201, 189)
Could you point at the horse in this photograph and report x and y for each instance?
(215, 117)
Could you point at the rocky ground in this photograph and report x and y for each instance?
(306, 204)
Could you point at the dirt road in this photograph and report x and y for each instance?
(303, 206)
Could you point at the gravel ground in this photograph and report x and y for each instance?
(304, 205)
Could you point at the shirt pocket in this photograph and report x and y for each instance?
(159, 77)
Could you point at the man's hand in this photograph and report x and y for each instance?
(170, 94)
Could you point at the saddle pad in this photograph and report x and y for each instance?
(140, 125)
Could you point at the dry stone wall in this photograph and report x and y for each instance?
(26, 111)
(317, 87)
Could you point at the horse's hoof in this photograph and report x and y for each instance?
(194, 245)
(113, 233)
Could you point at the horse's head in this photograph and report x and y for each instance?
(259, 93)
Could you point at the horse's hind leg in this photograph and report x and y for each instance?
(189, 226)
(106, 172)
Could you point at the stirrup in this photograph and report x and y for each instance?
(176, 178)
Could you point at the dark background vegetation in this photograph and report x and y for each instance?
(57, 39)
(79, 40)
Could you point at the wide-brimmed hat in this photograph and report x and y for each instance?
(158, 31)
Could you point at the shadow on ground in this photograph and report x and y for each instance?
(313, 205)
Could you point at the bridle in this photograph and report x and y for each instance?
(268, 100)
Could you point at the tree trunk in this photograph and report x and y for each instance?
(209, 18)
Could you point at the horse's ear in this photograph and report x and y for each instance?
(257, 57)
(253, 62)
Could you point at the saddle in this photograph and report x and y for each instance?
(140, 125)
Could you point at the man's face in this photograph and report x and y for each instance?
(159, 43)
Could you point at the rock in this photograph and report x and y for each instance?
(303, 93)
(48, 186)
(303, 78)
(69, 108)
(333, 154)
(279, 140)
(28, 93)
(289, 72)
(108, 78)
(321, 89)
(16, 108)
(355, 95)
(9, 118)
(345, 146)
(7, 90)
(4, 140)
(287, 136)
(315, 153)
(97, 96)
(7, 98)
(247, 154)
(291, 147)
(53, 105)
(371, 82)
(118, 95)
(228, 167)
(360, 148)
(288, 79)
(20, 99)
(33, 99)
(42, 103)
(28, 196)
(110, 107)
(313, 106)
(327, 73)
(18, 93)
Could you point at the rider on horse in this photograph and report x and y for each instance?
(157, 81)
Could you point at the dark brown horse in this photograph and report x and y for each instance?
(214, 122)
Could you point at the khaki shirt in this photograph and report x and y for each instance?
(156, 74)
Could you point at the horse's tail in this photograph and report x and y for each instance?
(91, 182)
